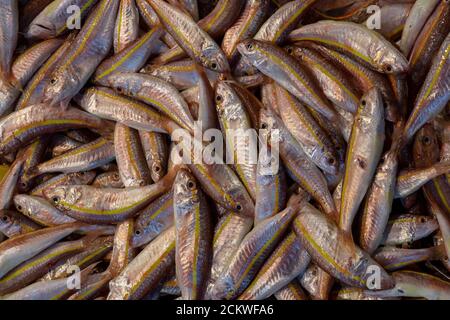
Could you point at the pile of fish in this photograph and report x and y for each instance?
(350, 97)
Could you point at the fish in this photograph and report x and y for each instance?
(107, 104)
(154, 219)
(23, 126)
(288, 73)
(55, 19)
(434, 93)
(337, 254)
(13, 224)
(417, 285)
(245, 27)
(314, 141)
(214, 24)
(83, 158)
(428, 43)
(131, 58)
(236, 124)
(22, 69)
(182, 73)
(380, 196)
(363, 153)
(130, 157)
(109, 205)
(289, 260)
(385, 59)
(94, 251)
(271, 187)
(88, 49)
(155, 92)
(18, 249)
(392, 258)
(254, 249)
(34, 88)
(407, 228)
(417, 18)
(410, 180)
(64, 179)
(297, 164)
(49, 290)
(156, 152)
(193, 234)
(126, 29)
(145, 271)
(190, 37)
(229, 232)
(40, 210)
(34, 268)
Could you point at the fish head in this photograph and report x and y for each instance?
(215, 60)
(157, 170)
(62, 196)
(63, 84)
(225, 97)
(426, 146)
(23, 204)
(6, 220)
(242, 202)
(330, 161)
(84, 177)
(223, 288)
(370, 108)
(140, 236)
(425, 224)
(185, 189)
(41, 29)
(125, 83)
(268, 126)
(391, 61)
(249, 49)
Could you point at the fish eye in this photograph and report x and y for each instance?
(19, 208)
(214, 65)
(331, 161)
(53, 81)
(239, 207)
(119, 89)
(423, 220)
(218, 98)
(250, 47)
(289, 50)
(363, 102)
(23, 184)
(426, 140)
(55, 199)
(389, 68)
(191, 185)
(400, 291)
(116, 176)
(5, 218)
(264, 125)
(157, 168)
(137, 232)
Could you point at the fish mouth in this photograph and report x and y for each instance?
(35, 31)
